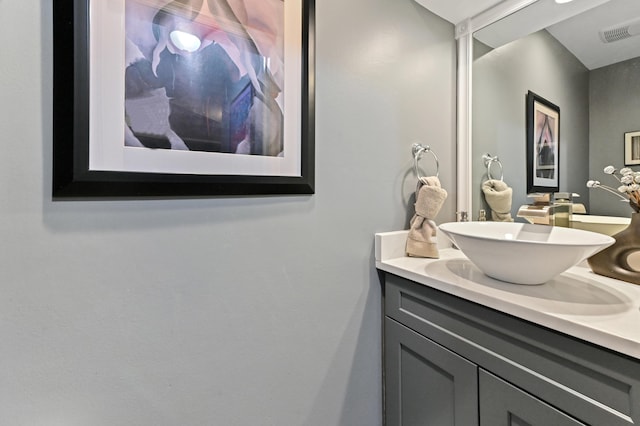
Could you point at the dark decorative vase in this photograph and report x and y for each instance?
(613, 261)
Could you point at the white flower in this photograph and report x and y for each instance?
(628, 191)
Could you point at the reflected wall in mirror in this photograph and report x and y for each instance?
(594, 81)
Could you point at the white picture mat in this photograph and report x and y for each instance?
(107, 151)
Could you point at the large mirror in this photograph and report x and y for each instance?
(581, 56)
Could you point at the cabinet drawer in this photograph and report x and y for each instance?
(595, 385)
(502, 404)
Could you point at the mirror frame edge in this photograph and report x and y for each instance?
(464, 150)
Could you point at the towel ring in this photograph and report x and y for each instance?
(488, 161)
(419, 149)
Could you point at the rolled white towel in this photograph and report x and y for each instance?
(429, 199)
(498, 196)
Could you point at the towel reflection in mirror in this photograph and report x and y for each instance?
(498, 196)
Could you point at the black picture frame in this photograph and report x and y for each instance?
(543, 145)
(632, 148)
(74, 179)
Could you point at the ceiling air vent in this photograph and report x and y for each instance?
(620, 31)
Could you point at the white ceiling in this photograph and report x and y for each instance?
(580, 33)
(456, 11)
(581, 36)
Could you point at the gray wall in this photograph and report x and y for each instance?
(501, 79)
(615, 109)
(245, 311)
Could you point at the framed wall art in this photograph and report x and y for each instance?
(543, 145)
(632, 148)
(183, 98)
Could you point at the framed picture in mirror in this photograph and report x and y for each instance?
(632, 148)
(543, 145)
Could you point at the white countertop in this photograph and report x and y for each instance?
(579, 303)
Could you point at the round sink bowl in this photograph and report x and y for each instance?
(522, 253)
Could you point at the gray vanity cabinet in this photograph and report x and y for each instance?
(448, 361)
(426, 383)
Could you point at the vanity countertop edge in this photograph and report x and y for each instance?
(578, 303)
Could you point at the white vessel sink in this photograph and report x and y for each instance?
(522, 253)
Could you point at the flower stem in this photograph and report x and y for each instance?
(611, 190)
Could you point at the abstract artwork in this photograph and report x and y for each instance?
(183, 98)
(543, 145)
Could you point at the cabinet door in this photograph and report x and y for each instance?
(502, 404)
(426, 384)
